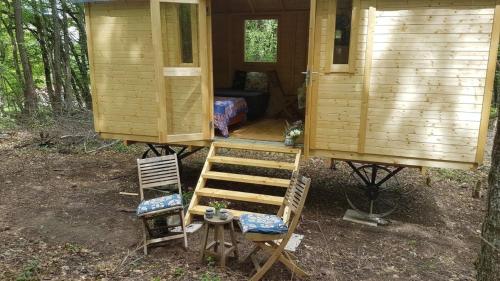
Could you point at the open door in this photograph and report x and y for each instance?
(181, 38)
(333, 74)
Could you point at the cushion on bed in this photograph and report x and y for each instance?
(239, 80)
(257, 81)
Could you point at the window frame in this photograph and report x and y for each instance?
(262, 17)
(331, 29)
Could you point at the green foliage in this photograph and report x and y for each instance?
(493, 112)
(179, 272)
(29, 271)
(261, 40)
(455, 175)
(209, 275)
(7, 123)
(121, 147)
(73, 248)
(39, 40)
(186, 197)
(217, 205)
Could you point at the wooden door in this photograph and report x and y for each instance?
(181, 38)
(335, 85)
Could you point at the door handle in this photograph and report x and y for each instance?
(308, 76)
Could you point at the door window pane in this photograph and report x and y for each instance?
(342, 32)
(186, 34)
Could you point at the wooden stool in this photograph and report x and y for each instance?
(221, 248)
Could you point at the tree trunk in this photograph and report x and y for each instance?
(56, 38)
(15, 55)
(29, 88)
(68, 87)
(81, 57)
(40, 25)
(488, 268)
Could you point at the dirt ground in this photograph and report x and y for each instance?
(62, 218)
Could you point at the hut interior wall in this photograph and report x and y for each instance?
(228, 40)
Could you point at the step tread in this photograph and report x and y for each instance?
(252, 162)
(258, 147)
(200, 210)
(246, 179)
(240, 196)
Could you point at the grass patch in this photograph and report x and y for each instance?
(7, 123)
(209, 275)
(29, 272)
(455, 175)
(121, 147)
(493, 112)
(179, 272)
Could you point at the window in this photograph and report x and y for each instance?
(261, 40)
(186, 36)
(179, 31)
(342, 33)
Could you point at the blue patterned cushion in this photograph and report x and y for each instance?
(261, 223)
(159, 203)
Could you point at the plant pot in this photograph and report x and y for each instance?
(209, 213)
(223, 214)
(289, 141)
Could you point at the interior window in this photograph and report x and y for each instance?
(186, 35)
(261, 40)
(342, 38)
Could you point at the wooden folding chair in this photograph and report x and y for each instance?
(269, 239)
(160, 174)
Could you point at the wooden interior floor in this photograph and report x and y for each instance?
(264, 130)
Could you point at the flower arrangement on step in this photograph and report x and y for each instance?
(293, 132)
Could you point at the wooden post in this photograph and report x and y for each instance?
(372, 18)
(488, 87)
(90, 50)
(161, 94)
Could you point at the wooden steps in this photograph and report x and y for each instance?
(246, 179)
(252, 162)
(214, 157)
(240, 196)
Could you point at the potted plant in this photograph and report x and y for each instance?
(293, 132)
(218, 205)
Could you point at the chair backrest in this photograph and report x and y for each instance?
(295, 199)
(158, 172)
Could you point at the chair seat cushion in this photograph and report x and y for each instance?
(262, 223)
(160, 203)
